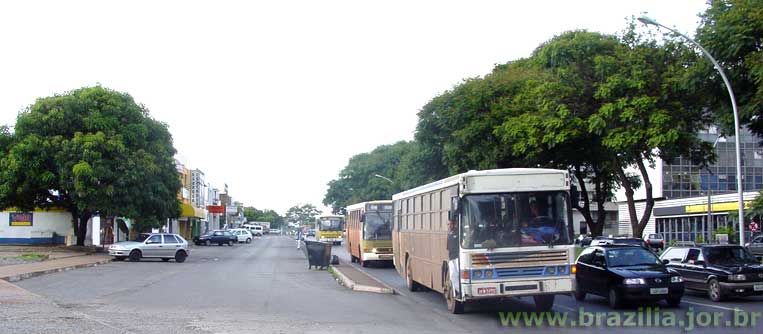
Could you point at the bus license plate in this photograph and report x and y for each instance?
(486, 291)
(658, 291)
(757, 287)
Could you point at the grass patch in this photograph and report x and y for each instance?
(33, 257)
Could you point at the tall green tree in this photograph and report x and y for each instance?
(267, 215)
(302, 214)
(732, 31)
(357, 181)
(91, 150)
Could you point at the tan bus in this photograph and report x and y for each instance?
(487, 234)
(369, 232)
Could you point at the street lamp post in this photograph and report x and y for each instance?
(647, 21)
(382, 177)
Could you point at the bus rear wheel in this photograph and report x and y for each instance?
(412, 285)
(454, 306)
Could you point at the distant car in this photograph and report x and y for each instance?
(163, 246)
(275, 231)
(600, 241)
(219, 237)
(720, 270)
(624, 273)
(256, 230)
(755, 246)
(655, 241)
(584, 240)
(242, 235)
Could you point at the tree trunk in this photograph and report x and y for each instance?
(584, 210)
(81, 226)
(601, 198)
(638, 231)
(628, 193)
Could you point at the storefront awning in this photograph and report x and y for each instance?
(191, 212)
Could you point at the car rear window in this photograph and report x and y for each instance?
(674, 254)
(170, 239)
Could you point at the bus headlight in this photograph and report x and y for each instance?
(489, 273)
(562, 270)
(477, 274)
(550, 270)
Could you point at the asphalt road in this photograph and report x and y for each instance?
(266, 287)
(693, 305)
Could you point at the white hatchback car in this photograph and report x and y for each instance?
(243, 235)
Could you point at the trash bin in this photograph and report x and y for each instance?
(318, 253)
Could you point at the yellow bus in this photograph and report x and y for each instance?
(369, 232)
(329, 228)
(487, 235)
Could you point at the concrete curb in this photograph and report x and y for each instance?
(359, 287)
(19, 277)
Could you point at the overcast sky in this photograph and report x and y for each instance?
(274, 98)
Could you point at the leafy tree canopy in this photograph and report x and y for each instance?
(303, 214)
(357, 181)
(87, 151)
(732, 31)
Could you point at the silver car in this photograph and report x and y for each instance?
(163, 246)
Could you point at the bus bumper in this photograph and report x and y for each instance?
(517, 288)
(330, 240)
(377, 257)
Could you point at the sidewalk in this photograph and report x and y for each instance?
(357, 280)
(19, 272)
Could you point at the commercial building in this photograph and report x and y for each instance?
(681, 189)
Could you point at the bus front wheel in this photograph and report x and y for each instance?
(454, 306)
(544, 303)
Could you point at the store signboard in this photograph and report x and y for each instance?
(21, 219)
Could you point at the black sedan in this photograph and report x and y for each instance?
(721, 270)
(623, 273)
(219, 237)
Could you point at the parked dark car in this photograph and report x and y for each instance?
(219, 237)
(584, 240)
(721, 270)
(624, 273)
(655, 241)
(755, 246)
(599, 241)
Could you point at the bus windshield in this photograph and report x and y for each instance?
(515, 219)
(377, 225)
(331, 225)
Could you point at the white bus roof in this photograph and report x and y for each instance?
(363, 204)
(561, 181)
(330, 216)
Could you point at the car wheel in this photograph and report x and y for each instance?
(208, 243)
(614, 299)
(249, 240)
(135, 256)
(579, 294)
(230, 243)
(714, 290)
(165, 259)
(180, 256)
(673, 302)
(454, 306)
(364, 264)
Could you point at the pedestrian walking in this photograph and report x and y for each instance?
(299, 238)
